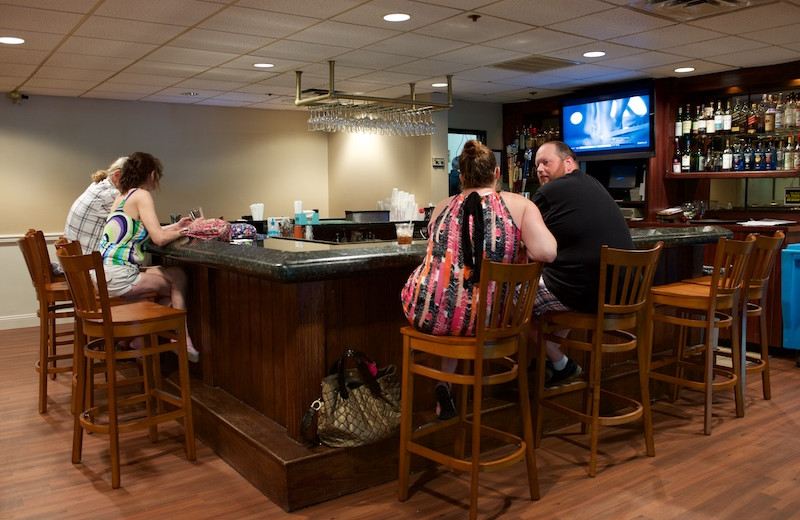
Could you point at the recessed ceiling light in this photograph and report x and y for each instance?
(10, 40)
(263, 65)
(594, 54)
(683, 70)
(438, 85)
(397, 17)
(189, 94)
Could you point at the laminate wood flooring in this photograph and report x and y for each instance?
(748, 468)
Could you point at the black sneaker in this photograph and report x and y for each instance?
(447, 409)
(566, 374)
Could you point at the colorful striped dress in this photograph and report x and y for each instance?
(123, 238)
(440, 296)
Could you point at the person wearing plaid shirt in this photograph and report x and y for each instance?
(88, 213)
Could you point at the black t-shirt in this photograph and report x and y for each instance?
(582, 216)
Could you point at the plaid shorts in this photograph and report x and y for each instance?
(547, 301)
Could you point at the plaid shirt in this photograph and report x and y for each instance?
(88, 214)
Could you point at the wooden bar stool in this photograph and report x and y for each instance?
(762, 260)
(101, 325)
(624, 287)
(55, 303)
(501, 332)
(706, 308)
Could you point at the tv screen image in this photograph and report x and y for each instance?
(612, 125)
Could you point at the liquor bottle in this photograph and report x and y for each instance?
(708, 114)
(710, 157)
(679, 123)
(737, 114)
(698, 121)
(759, 158)
(788, 154)
(780, 151)
(727, 117)
(699, 158)
(738, 160)
(769, 113)
(762, 113)
(687, 122)
(686, 157)
(752, 119)
(727, 157)
(676, 158)
(748, 156)
(788, 111)
(796, 154)
(718, 115)
(780, 109)
(771, 156)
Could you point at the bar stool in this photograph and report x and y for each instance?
(501, 332)
(762, 260)
(707, 308)
(624, 287)
(55, 303)
(104, 324)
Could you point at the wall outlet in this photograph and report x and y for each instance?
(438, 162)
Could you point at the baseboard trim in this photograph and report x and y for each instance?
(18, 321)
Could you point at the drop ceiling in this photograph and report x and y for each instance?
(161, 50)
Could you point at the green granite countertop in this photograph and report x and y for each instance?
(291, 261)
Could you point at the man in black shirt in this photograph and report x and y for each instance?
(582, 216)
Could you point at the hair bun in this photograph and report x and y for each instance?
(470, 148)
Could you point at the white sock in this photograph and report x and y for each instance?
(561, 363)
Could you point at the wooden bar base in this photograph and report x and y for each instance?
(291, 474)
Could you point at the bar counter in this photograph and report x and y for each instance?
(271, 320)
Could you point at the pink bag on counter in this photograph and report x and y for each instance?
(210, 229)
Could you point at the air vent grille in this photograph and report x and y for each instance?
(685, 10)
(533, 64)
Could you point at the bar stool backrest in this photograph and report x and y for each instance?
(731, 265)
(89, 304)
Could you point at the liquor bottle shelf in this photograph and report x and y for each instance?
(748, 174)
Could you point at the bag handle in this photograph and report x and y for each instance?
(361, 360)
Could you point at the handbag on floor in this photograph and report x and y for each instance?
(358, 406)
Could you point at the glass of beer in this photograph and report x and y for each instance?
(405, 233)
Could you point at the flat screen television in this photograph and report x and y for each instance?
(617, 124)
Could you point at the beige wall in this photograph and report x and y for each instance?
(220, 158)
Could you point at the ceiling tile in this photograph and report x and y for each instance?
(151, 80)
(53, 72)
(100, 47)
(538, 41)
(430, 68)
(343, 34)
(209, 84)
(611, 24)
(643, 60)
(256, 22)
(752, 18)
(291, 49)
(775, 35)
(728, 44)
(370, 59)
(174, 12)
(544, 12)
(81, 61)
(127, 30)
(417, 45)
(479, 55)
(190, 56)
(371, 14)
(756, 57)
(670, 36)
(39, 20)
(462, 28)
(165, 69)
(220, 41)
(313, 8)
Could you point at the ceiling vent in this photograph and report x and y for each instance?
(686, 10)
(533, 64)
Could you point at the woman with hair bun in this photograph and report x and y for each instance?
(477, 224)
(132, 224)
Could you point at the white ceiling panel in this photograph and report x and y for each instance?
(156, 49)
(544, 12)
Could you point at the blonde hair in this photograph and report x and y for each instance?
(99, 175)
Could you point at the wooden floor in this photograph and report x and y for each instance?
(748, 467)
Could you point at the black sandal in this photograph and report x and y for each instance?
(447, 409)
